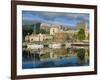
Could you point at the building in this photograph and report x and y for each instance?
(63, 28)
(54, 29)
(64, 36)
(81, 25)
(45, 26)
(33, 38)
(27, 38)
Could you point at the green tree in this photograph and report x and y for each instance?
(81, 34)
(26, 29)
(43, 31)
(30, 29)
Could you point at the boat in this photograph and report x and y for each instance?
(35, 46)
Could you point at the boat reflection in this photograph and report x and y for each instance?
(56, 57)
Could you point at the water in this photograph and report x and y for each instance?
(53, 58)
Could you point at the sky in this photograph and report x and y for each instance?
(61, 18)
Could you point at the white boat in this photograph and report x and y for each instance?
(55, 45)
(34, 46)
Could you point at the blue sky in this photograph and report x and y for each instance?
(61, 18)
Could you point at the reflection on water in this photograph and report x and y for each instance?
(58, 57)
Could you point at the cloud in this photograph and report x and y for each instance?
(56, 17)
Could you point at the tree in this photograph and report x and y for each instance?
(81, 34)
(43, 31)
(30, 29)
(26, 29)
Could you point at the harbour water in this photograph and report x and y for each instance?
(58, 57)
